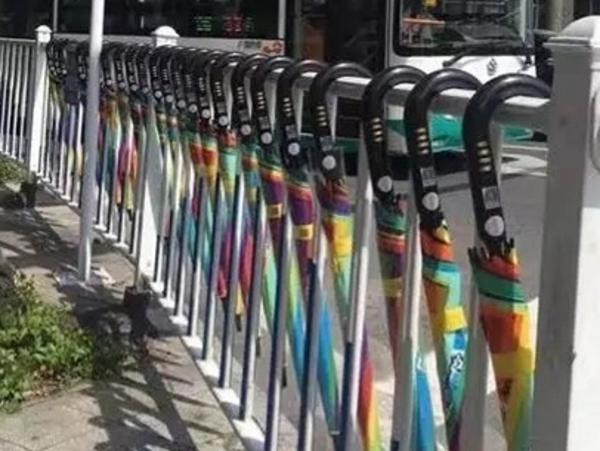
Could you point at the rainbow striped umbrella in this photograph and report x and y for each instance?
(128, 153)
(441, 274)
(273, 194)
(504, 311)
(82, 64)
(336, 216)
(112, 134)
(301, 204)
(391, 221)
(166, 208)
(248, 151)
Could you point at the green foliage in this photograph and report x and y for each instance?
(42, 349)
(11, 171)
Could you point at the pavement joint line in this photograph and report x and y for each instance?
(10, 442)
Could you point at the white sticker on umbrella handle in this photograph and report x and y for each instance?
(246, 130)
(329, 163)
(266, 138)
(294, 149)
(385, 184)
(431, 201)
(494, 226)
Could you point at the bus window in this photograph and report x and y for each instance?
(191, 18)
(447, 26)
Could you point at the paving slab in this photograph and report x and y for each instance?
(160, 403)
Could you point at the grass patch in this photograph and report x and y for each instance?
(43, 350)
(11, 171)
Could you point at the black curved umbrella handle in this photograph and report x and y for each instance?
(291, 149)
(154, 67)
(61, 58)
(200, 68)
(489, 215)
(143, 71)
(260, 108)
(189, 84)
(82, 65)
(418, 141)
(373, 119)
(329, 159)
(241, 111)
(107, 67)
(177, 73)
(217, 87)
(165, 65)
(129, 58)
(119, 64)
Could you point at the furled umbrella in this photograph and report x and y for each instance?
(138, 90)
(504, 311)
(82, 64)
(319, 360)
(441, 274)
(52, 110)
(288, 296)
(277, 182)
(337, 219)
(112, 134)
(160, 131)
(234, 194)
(127, 161)
(391, 222)
(262, 276)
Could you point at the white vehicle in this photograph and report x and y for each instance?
(486, 38)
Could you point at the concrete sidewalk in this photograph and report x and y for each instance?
(160, 403)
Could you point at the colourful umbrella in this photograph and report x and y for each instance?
(82, 63)
(128, 153)
(167, 184)
(504, 311)
(263, 277)
(319, 353)
(112, 133)
(54, 108)
(390, 215)
(288, 300)
(137, 112)
(441, 274)
(337, 220)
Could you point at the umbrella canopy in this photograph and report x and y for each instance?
(112, 134)
(505, 312)
(441, 274)
(337, 220)
(391, 221)
(273, 194)
(128, 152)
(301, 205)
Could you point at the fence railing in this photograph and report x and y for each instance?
(205, 181)
(16, 61)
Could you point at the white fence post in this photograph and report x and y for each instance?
(164, 35)
(567, 395)
(151, 175)
(39, 83)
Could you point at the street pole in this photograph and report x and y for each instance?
(88, 205)
(559, 13)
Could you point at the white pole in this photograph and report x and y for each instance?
(88, 205)
(566, 402)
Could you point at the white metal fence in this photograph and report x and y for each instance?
(204, 180)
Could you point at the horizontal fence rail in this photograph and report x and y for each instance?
(220, 176)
